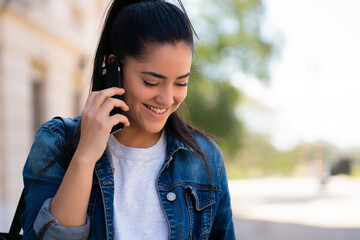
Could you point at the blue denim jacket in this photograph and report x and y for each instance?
(194, 209)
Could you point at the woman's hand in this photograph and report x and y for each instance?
(96, 123)
(70, 203)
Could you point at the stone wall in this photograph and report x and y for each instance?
(46, 48)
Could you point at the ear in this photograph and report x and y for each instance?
(111, 58)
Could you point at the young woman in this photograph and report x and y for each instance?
(157, 178)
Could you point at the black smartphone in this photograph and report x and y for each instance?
(111, 76)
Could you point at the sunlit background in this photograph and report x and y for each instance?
(276, 80)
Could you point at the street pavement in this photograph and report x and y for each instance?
(296, 208)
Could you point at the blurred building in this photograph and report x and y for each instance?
(46, 47)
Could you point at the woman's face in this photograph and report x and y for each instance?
(156, 86)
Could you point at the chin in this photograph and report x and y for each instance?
(154, 129)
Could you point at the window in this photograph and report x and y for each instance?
(38, 74)
(79, 86)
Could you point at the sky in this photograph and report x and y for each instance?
(314, 90)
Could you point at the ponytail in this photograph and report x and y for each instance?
(104, 46)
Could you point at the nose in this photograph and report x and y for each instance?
(165, 96)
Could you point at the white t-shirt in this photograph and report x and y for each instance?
(138, 213)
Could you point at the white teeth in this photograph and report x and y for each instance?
(157, 110)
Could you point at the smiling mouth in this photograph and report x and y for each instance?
(156, 110)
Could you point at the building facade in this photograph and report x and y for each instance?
(46, 48)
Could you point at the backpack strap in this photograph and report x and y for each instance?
(15, 225)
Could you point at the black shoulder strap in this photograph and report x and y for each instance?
(15, 225)
(70, 127)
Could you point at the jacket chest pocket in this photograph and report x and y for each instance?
(199, 205)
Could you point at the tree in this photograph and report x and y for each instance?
(230, 41)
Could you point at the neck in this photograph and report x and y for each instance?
(136, 138)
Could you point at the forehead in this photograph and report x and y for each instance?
(164, 57)
(156, 48)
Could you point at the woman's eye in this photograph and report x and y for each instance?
(150, 84)
(182, 84)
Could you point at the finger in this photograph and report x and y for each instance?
(110, 103)
(119, 118)
(105, 94)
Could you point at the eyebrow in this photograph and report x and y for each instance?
(163, 77)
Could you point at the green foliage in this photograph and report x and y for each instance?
(230, 41)
(356, 169)
(354, 155)
(212, 108)
(258, 158)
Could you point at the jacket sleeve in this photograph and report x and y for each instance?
(41, 186)
(46, 227)
(223, 227)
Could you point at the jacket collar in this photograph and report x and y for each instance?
(173, 145)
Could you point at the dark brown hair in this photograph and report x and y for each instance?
(131, 26)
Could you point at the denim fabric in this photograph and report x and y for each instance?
(52, 229)
(194, 208)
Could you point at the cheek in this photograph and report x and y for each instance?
(135, 95)
(134, 91)
(180, 96)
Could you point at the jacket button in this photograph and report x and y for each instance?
(171, 196)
